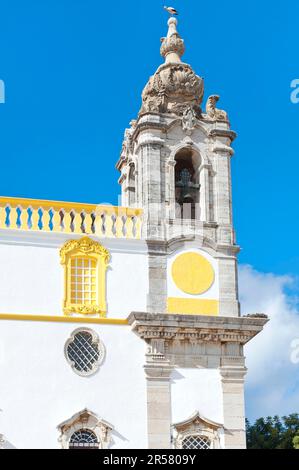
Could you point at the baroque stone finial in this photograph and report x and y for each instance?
(173, 46)
(174, 88)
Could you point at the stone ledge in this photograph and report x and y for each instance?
(196, 327)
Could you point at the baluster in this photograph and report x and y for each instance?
(67, 221)
(119, 225)
(98, 223)
(56, 220)
(109, 226)
(129, 227)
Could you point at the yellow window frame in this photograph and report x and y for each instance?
(88, 249)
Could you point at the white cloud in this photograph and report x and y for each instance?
(272, 385)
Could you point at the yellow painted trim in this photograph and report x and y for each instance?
(192, 306)
(57, 319)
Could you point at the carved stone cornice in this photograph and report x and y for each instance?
(223, 133)
(195, 328)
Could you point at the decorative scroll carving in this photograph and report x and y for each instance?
(86, 246)
(173, 89)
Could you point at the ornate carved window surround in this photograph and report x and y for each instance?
(197, 428)
(84, 351)
(89, 421)
(96, 257)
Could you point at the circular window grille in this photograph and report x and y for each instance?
(84, 439)
(196, 442)
(85, 352)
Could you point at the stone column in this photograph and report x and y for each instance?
(233, 406)
(158, 372)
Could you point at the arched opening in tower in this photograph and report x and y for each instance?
(187, 187)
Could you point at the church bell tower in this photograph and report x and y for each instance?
(175, 165)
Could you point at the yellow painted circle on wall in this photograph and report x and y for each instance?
(192, 273)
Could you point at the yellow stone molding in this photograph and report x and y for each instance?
(184, 306)
(62, 319)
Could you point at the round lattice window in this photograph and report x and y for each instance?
(196, 442)
(84, 439)
(85, 352)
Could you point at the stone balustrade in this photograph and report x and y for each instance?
(72, 218)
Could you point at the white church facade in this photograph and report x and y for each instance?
(120, 327)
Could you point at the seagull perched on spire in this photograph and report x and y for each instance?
(171, 11)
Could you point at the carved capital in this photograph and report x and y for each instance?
(233, 374)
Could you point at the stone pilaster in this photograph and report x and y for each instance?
(158, 372)
(205, 195)
(233, 406)
(157, 275)
(195, 341)
(228, 287)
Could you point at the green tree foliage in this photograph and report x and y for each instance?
(273, 432)
(296, 442)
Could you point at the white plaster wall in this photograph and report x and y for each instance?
(39, 390)
(127, 284)
(31, 279)
(196, 390)
(174, 291)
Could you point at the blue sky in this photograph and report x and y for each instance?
(74, 71)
